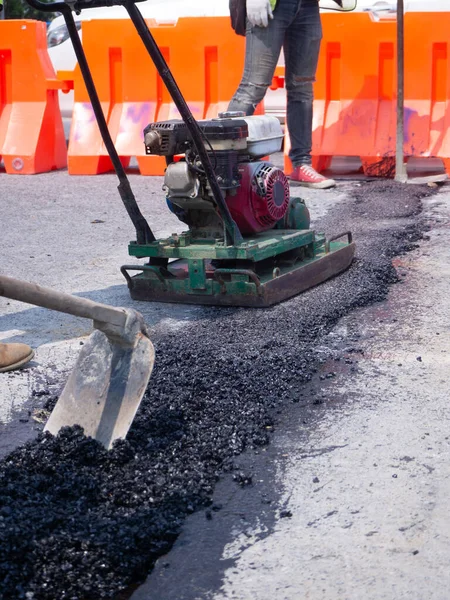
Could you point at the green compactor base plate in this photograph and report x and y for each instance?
(261, 271)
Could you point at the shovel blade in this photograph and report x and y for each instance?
(105, 388)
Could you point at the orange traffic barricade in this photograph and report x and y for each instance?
(427, 85)
(354, 106)
(356, 91)
(205, 56)
(31, 131)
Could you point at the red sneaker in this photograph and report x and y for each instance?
(308, 177)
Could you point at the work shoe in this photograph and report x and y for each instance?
(13, 356)
(308, 177)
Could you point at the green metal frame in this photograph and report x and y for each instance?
(261, 271)
(264, 245)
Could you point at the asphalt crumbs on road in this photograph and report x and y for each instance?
(80, 523)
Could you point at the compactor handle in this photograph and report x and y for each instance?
(76, 5)
(144, 234)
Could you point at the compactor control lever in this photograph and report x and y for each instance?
(144, 234)
(231, 234)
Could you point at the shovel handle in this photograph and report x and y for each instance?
(15, 289)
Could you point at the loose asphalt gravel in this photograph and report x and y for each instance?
(79, 523)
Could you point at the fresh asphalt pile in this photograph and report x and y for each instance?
(80, 523)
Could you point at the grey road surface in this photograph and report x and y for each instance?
(369, 488)
(364, 485)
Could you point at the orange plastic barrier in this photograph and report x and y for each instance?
(354, 106)
(355, 93)
(206, 58)
(31, 130)
(427, 86)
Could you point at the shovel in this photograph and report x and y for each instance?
(106, 386)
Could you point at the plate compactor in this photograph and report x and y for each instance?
(247, 242)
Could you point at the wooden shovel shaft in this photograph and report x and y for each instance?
(66, 303)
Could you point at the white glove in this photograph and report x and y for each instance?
(345, 5)
(259, 12)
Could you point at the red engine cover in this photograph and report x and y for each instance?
(261, 200)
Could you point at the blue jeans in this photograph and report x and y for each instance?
(296, 28)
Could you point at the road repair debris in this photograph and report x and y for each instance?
(80, 523)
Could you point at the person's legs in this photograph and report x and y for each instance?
(13, 356)
(301, 50)
(263, 47)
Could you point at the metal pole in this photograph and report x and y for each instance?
(400, 165)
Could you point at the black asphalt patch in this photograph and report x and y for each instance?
(79, 523)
